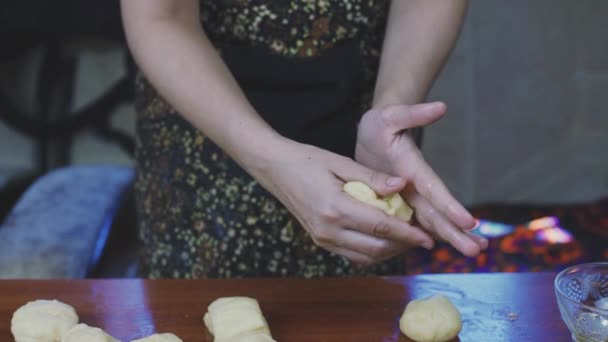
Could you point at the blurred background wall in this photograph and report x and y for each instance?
(526, 88)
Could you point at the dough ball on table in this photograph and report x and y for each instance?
(85, 333)
(237, 319)
(433, 319)
(393, 205)
(166, 337)
(251, 336)
(227, 303)
(43, 320)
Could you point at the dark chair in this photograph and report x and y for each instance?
(56, 26)
(60, 226)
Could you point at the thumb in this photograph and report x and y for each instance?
(383, 184)
(403, 117)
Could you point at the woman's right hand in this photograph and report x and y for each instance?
(308, 181)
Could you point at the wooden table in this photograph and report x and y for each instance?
(495, 307)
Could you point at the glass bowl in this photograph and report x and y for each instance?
(582, 297)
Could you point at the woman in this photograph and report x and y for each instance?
(247, 117)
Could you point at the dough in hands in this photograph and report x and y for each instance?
(85, 333)
(237, 319)
(400, 208)
(393, 205)
(166, 337)
(43, 320)
(433, 319)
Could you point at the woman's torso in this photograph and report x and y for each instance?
(308, 67)
(291, 28)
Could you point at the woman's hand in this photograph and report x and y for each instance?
(383, 143)
(309, 180)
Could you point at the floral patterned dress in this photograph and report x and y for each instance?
(200, 214)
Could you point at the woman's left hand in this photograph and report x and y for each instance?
(383, 143)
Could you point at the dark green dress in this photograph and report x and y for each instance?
(308, 67)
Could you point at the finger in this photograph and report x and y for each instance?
(401, 117)
(481, 241)
(374, 222)
(353, 256)
(428, 184)
(375, 248)
(435, 222)
(348, 170)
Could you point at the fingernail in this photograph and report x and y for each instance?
(393, 182)
(427, 245)
(476, 225)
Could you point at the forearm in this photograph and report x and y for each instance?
(419, 36)
(177, 58)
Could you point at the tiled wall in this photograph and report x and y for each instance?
(525, 88)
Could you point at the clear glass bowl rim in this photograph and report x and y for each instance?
(601, 264)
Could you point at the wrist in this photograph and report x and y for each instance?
(386, 95)
(259, 154)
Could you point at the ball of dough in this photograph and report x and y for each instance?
(399, 208)
(43, 320)
(228, 303)
(85, 333)
(250, 336)
(166, 337)
(393, 205)
(237, 319)
(433, 319)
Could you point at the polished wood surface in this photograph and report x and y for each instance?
(495, 307)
